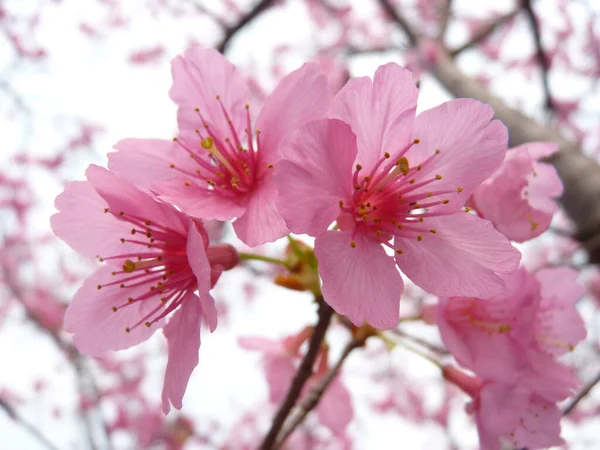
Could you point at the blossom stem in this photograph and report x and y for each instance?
(302, 375)
(314, 396)
(412, 348)
(254, 257)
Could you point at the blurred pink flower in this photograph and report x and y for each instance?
(519, 198)
(220, 165)
(156, 257)
(390, 179)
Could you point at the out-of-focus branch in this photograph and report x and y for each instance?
(27, 426)
(581, 395)
(314, 396)
(302, 375)
(579, 173)
(540, 55)
(484, 32)
(230, 32)
(417, 340)
(445, 14)
(391, 11)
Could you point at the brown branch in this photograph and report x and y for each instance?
(484, 32)
(314, 396)
(539, 51)
(581, 395)
(230, 32)
(302, 375)
(391, 11)
(445, 14)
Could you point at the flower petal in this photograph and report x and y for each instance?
(381, 113)
(461, 259)
(183, 338)
(261, 223)
(300, 97)
(315, 175)
(361, 283)
(96, 327)
(202, 74)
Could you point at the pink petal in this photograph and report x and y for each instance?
(122, 196)
(539, 425)
(381, 113)
(85, 227)
(197, 201)
(335, 410)
(544, 186)
(96, 327)
(300, 97)
(279, 372)
(261, 223)
(315, 175)
(202, 74)
(462, 258)
(471, 145)
(539, 150)
(183, 337)
(559, 325)
(259, 343)
(361, 283)
(144, 160)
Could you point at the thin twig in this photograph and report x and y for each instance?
(314, 396)
(540, 55)
(245, 20)
(26, 425)
(581, 395)
(302, 375)
(391, 11)
(417, 340)
(484, 32)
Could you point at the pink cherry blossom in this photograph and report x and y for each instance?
(396, 181)
(515, 414)
(155, 259)
(220, 165)
(505, 337)
(519, 198)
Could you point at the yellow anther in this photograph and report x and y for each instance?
(367, 179)
(270, 166)
(130, 300)
(122, 285)
(341, 204)
(419, 167)
(207, 143)
(421, 219)
(416, 141)
(359, 167)
(128, 266)
(412, 181)
(386, 155)
(445, 202)
(438, 177)
(114, 308)
(459, 189)
(122, 240)
(174, 139)
(100, 259)
(121, 213)
(163, 299)
(437, 151)
(352, 244)
(147, 324)
(378, 233)
(187, 183)
(433, 230)
(247, 106)
(399, 251)
(258, 131)
(99, 287)
(197, 109)
(127, 329)
(399, 226)
(172, 166)
(357, 187)
(105, 210)
(419, 237)
(403, 165)
(218, 97)
(430, 194)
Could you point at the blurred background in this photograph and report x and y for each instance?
(76, 76)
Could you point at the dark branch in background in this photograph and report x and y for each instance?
(579, 173)
(27, 426)
(484, 32)
(260, 7)
(540, 55)
(391, 11)
(581, 395)
(445, 13)
(314, 396)
(302, 375)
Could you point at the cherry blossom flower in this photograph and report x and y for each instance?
(519, 198)
(155, 260)
(527, 328)
(516, 414)
(396, 181)
(220, 165)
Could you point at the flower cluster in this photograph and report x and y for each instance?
(384, 192)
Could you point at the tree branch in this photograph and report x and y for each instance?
(27, 426)
(391, 11)
(230, 32)
(581, 395)
(314, 396)
(302, 375)
(484, 32)
(445, 13)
